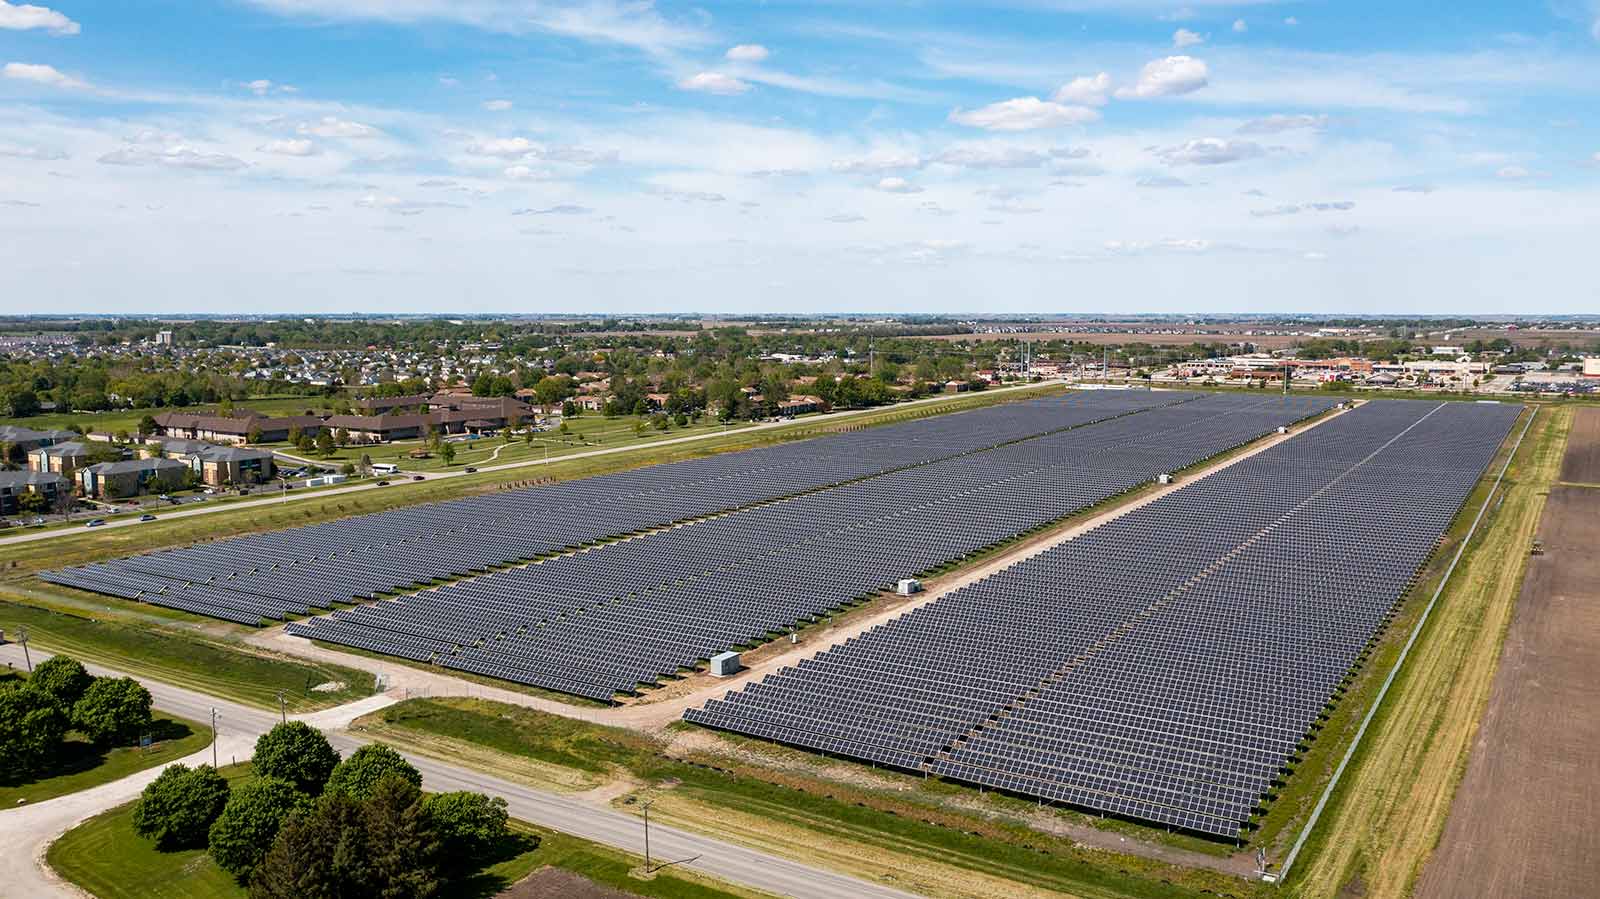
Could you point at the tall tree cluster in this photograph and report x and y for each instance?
(60, 696)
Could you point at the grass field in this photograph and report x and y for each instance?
(901, 831)
(166, 653)
(105, 858)
(1387, 814)
(83, 765)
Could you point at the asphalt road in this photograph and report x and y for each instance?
(212, 509)
(26, 831)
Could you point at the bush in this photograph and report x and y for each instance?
(32, 726)
(177, 809)
(469, 825)
(63, 678)
(358, 775)
(113, 710)
(243, 834)
(297, 753)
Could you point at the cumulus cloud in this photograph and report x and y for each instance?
(290, 147)
(1024, 114)
(713, 83)
(497, 105)
(262, 87)
(990, 157)
(747, 53)
(896, 185)
(40, 153)
(1070, 152)
(559, 209)
(26, 17)
(1291, 21)
(1297, 208)
(1167, 77)
(332, 126)
(525, 173)
(1183, 37)
(504, 147)
(1085, 90)
(1278, 123)
(42, 74)
(1239, 26)
(876, 164)
(177, 156)
(1209, 151)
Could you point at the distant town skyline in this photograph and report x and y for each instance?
(598, 156)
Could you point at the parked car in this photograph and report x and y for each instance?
(470, 469)
(147, 517)
(95, 522)
(383, 483)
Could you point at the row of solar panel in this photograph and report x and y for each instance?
(1167, 665)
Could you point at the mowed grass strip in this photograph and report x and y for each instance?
(1389, 810)
(84, 765)
(912, 838)
(249, 676)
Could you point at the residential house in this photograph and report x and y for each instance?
(60, 458)
(13, 484)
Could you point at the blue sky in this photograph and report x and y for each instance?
(622, 156)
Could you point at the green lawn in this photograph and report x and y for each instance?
(107, 859)
(913, 822)
(83, 765)
(199, 663)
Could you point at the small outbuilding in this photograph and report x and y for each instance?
(725, 664)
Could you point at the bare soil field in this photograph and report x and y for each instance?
(1582, 462)
(1527, 337)
(554, 883)
(1523, 819)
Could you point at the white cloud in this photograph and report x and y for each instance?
(504, 147)
(559, 209)
(1209, 151)
(1161, 181)
(713, 83)
(1513, 173)
(40, 153)
(525, 173)
(26, 17)
(497, 105)
(290, 147)
(1278, 123)
(876, 164)
(747, 53)
(1085, 90)
(1167, 77)
(991, 157)
(897, 185)
(1291, 21)
(178, 156)
(1183, 37)
(449, 81)
(42, 74)
(846, 218)
(1024, 114)
(260, 87)
(1414, 189)
(1239, 26)
(332, 126)
(1297, 208)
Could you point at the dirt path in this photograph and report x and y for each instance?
(1523, 820)
(1380, 831)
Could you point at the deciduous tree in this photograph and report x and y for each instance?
(297, 753)
(359, 774)
(241, 837)
(177, 808)
(113, 710)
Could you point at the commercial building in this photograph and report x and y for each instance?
(1591, 367)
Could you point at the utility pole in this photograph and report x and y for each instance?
(283, 707)
(213, 737)
(22, 637)
(647, 835)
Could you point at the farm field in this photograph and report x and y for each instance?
(1520, 822)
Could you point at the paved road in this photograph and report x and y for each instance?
(26, 831)
(210, 509)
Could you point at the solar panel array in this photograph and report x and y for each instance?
(290, 572)
(605, 620)
(1167, 665)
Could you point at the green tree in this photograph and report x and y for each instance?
(177, 808)
(359, 774)
(32, 726)
(242, 835)
(319, 853)
(148, 426)
(447, 452)
(469, 825)
(405, 847)
(63, 679)
(254, 436)
(113, 710)
(297, 753)
(325, 446)
(31, 503)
